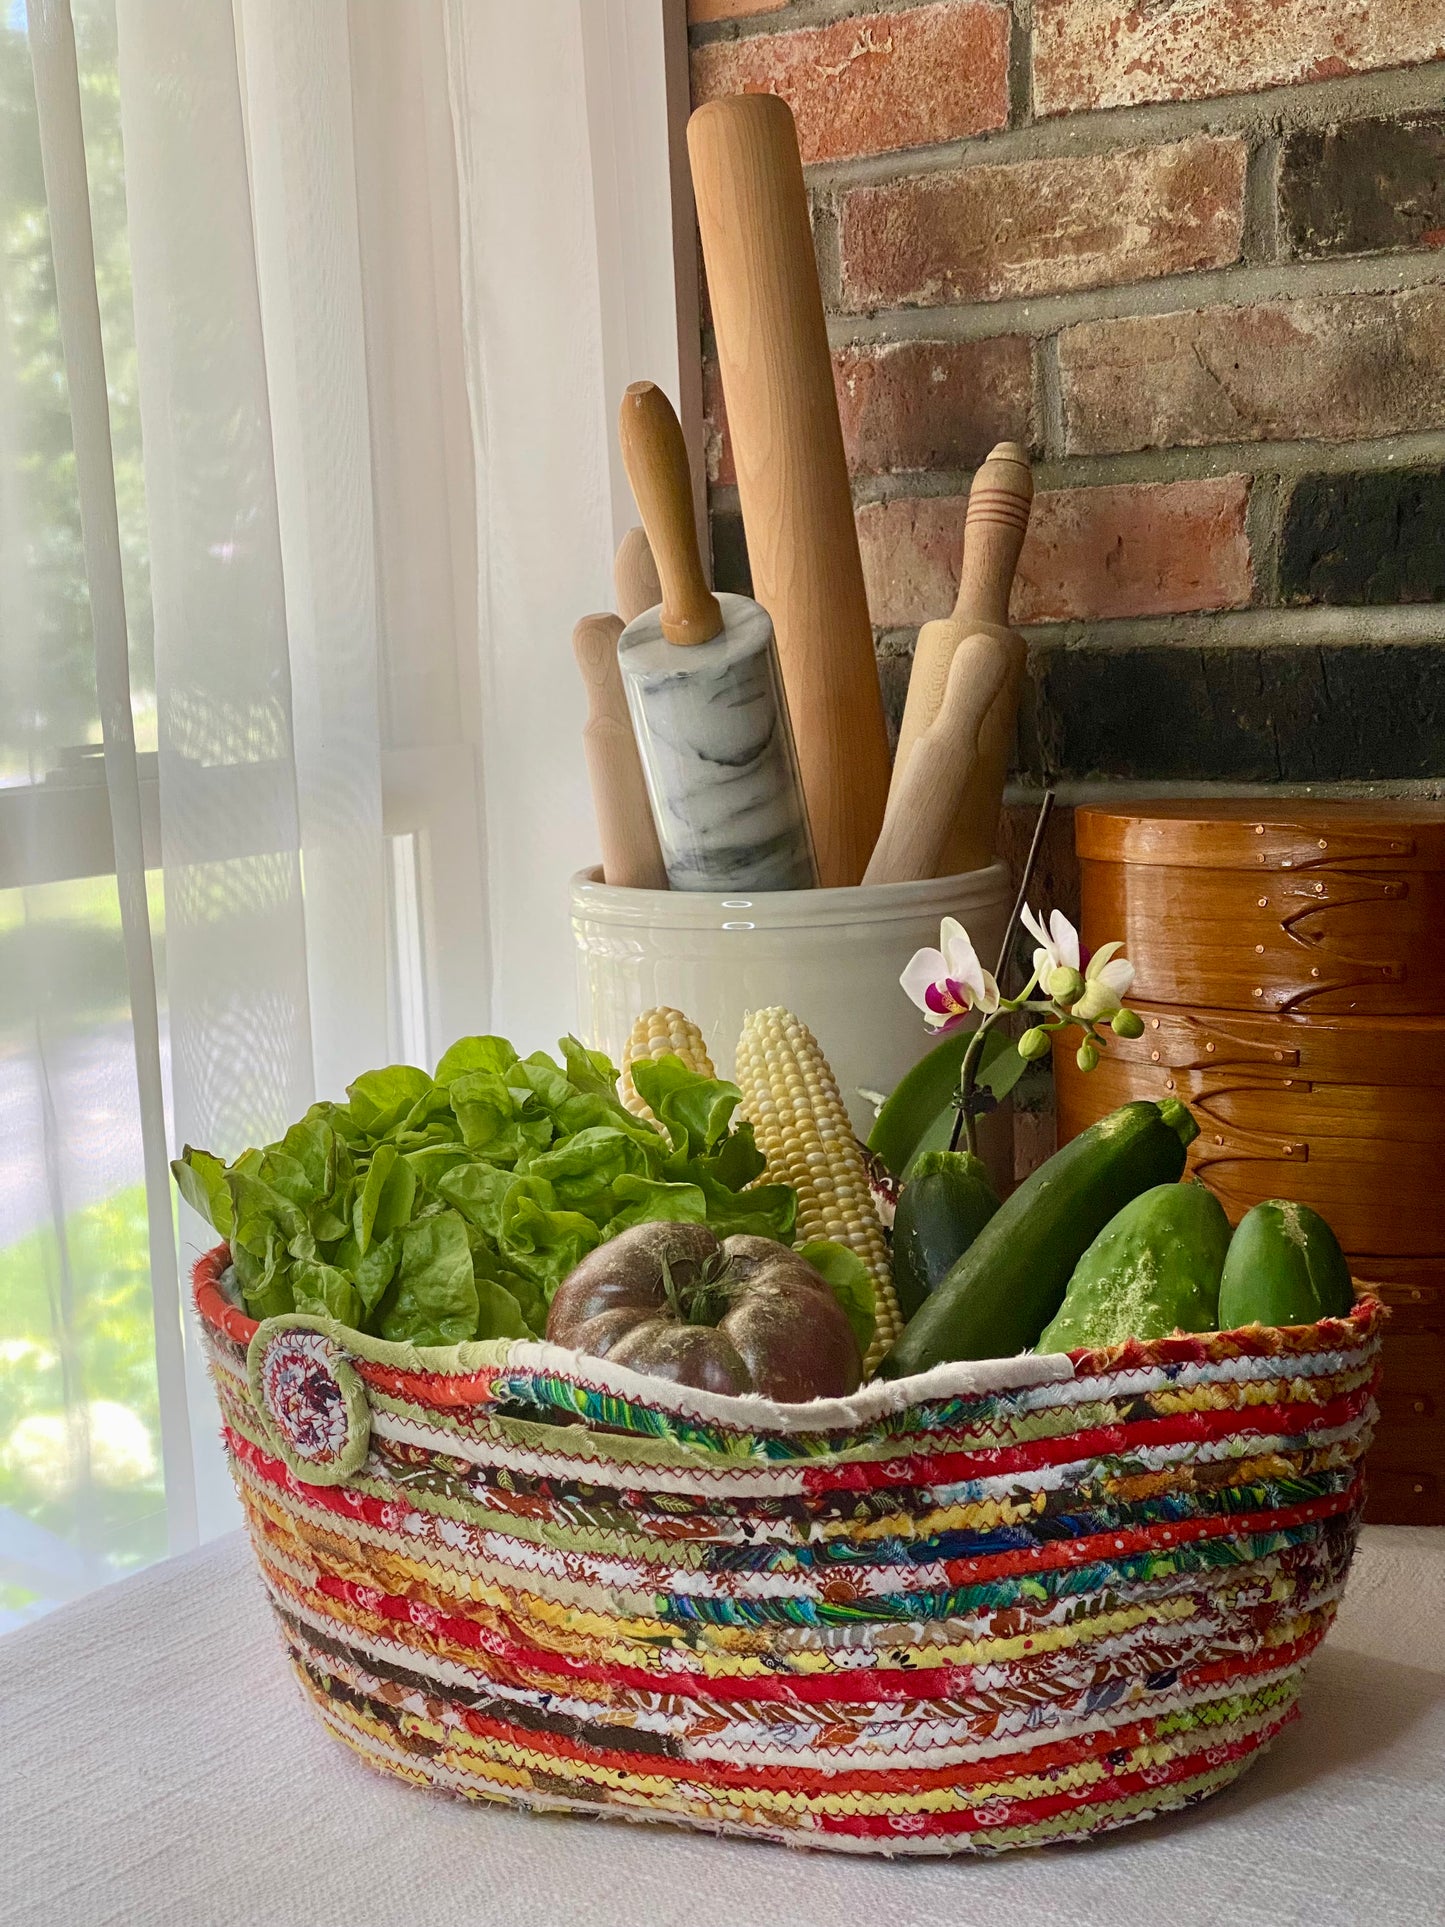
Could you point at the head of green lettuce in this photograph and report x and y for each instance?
(437, 1209)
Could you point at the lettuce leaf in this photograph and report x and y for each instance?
(433, 1298)
(695, 1109)
(381, 1101)
(201, 1181)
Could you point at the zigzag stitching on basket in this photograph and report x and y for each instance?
(493, 1569)
(739, 1811)
(1139, 1654)
(1067, 1676)
(537, 1368)
(326, 1529)
(937, 1744)
(479, 1444)
(1062, 1626)
(797, 1483)
(1228, 1556)
(390, 1652)
(1119, 1387)
(899, 1799)
(1054, 1399)
(548, 1670)
(494, 1552)
(1166, 1534)
(1060, 1830)
(459, 1745)
(940, 1744)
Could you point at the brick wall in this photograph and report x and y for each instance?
(1194, 256)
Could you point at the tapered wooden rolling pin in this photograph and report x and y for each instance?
(995, 524)
(777, 380)
(634, 576)
(703, 688)
(631, 854)
(943, 769)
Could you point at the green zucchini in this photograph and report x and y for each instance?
(1009, 1283)
(1284, 1267)
(1152, 1270)
(941, 1210)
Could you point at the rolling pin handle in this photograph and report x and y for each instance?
(655, 457)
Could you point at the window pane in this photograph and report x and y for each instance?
(48, 704)
(81, 1493)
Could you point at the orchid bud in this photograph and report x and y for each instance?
(1127, 1023)
(1064, 984)
(1097, 1000)
(1033, 1044)
(1088, 1055)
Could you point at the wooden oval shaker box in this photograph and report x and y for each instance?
(1291, 977)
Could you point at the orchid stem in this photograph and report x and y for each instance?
(965, 1124)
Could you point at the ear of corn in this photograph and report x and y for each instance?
(791, 1098)
(662, 1032)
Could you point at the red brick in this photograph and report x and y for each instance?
(1115, 53)
(885, 81)
(1329, 368)
(1041, 227)
(699, 11)
(1136, 549)
(911, 405)
(933, 404)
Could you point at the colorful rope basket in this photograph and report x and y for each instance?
(996, 1606)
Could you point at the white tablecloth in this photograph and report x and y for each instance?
(158, 1766)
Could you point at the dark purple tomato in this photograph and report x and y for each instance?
(746, 1315)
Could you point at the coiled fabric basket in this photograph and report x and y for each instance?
(995, 1606)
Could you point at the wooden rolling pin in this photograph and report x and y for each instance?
(943, 768)
(993, 534)
(777, 380)
(634, 576)
(631, 854)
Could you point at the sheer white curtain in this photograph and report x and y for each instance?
(313, 323)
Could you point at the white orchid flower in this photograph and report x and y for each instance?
(1058, 943)
(1107, 976)
(947, 983)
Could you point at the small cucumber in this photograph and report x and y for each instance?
(1010, 1282)
(941, 1210)
(1284, 1267)
(1152, 1270)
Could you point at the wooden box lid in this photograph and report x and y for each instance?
(1281, 833)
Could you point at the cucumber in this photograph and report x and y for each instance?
(1284, 1267)
(941, 1210)
(1152, 1270)
(1010, 1282)
(916, 1102)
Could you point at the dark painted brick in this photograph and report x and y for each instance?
(895, 665)
(1375, 537)
(1286, 713)
(731, 569)
(1368, 185)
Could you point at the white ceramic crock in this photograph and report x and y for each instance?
(831, 956)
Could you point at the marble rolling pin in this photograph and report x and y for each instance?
(777, 380)
(631, 854)
(707, 703)
(942, 769)
(993, 534)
